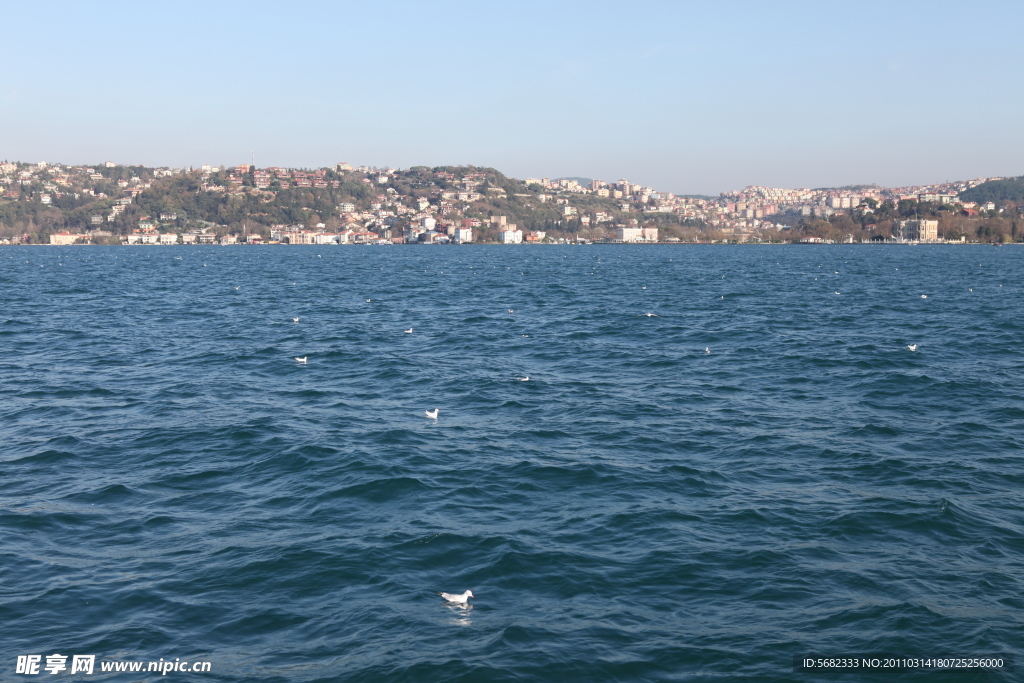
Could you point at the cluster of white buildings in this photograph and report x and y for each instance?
(756, 201)
(740, 213)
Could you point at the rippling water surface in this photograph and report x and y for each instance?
(175, 484)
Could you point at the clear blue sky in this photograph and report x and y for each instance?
(690, 97)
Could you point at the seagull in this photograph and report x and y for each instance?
(295, 320)
(651, 315)
(912, 347)
(432, 414)
(643, 287)
(837, 292)
(510, 311)
(970, 290)
(409, 331)
(523, 379)
(458, 599)
(367, 301)
(238, 288)
(707, 350)
(302, 360)
(924, 296)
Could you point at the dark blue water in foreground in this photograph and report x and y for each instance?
(174, 484)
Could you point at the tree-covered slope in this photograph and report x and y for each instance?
(1011, 189)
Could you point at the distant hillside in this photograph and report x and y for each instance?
(1011, 189)
(38, 200)
(850, 188)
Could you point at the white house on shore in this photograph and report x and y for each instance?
(629, 234)
(65, 238)
(511, 236)
(637, 234)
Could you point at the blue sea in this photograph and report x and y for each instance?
(724, 457)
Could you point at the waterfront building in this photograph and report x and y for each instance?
(630, 234)
(917, 230)
(64, 238)
(512, 236)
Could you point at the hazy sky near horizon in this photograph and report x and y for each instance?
(689, 97)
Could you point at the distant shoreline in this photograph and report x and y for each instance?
(572, 244)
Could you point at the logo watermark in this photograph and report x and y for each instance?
(34, 665)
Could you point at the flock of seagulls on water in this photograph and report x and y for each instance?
(432, 414)
(463, 598)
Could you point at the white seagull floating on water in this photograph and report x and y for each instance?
(432, 414)
(295, 320)
(912, 347)
(409, 331)
(302, 360)
(523, 379)
(707, 349)
(457, 598)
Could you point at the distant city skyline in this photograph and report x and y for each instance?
(691, 98)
